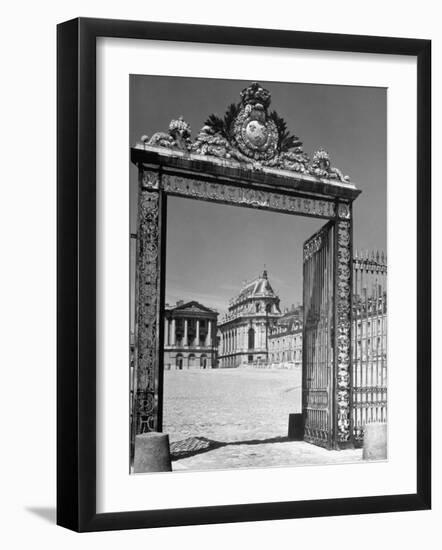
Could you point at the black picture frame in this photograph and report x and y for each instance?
(77, 287)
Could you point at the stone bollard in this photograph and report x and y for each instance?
(152, 453)
(296, 427)
(375, 441)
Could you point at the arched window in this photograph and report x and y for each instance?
(179, 361)
(251, 338)
(258, 307)
(191, 360)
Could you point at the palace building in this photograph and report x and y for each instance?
(245, 330)
(190, 336)
(285, 340)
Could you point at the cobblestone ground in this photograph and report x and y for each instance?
(230, 404)
(237, 418)
(288, 453)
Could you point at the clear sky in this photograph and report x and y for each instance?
(212, 249)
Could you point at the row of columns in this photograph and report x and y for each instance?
(170, 333)
(237, 339)
(234, 339)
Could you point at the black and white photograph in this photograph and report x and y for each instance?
(258, 264)
(219, 275)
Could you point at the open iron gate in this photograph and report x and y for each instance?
(318, 352)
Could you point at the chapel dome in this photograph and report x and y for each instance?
(258, 288)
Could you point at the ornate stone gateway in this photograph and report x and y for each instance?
(248, 158)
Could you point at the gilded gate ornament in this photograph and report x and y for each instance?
(254, 132)
(251, 134)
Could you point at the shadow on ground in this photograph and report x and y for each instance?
(46, 513)
(197, 445)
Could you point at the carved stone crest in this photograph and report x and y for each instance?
(249, 133)
(255, 133)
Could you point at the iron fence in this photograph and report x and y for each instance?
(369, 341)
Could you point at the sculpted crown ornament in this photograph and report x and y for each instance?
(255, 94)
(248, 133)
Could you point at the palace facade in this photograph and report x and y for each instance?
(255, 332)
(245, 330)
(285, 340)
(190, 336)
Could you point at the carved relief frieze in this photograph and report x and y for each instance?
(246, 196)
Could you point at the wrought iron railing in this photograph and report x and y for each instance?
(369, 341)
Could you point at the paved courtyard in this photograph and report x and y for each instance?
(237, 418)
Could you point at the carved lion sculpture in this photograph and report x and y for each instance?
(322, 168)
(177, 138)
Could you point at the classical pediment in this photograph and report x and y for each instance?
(193, 307)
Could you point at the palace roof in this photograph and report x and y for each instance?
(258, 288)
